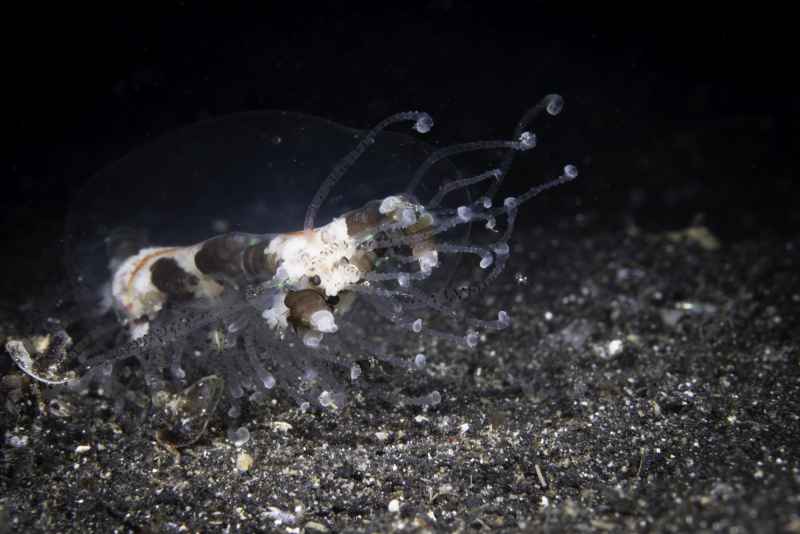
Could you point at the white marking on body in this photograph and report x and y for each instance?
(318, 252)
(132, 286)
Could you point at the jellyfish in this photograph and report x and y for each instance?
(268, 250)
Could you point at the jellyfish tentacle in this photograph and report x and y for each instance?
(454, 185)
(422, 124)
(569, 174)
(551, 103)
(524, 141)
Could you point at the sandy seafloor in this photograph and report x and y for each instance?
(650, 382)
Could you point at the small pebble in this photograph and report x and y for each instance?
(244, 462)
(281, 426)
(240, 436)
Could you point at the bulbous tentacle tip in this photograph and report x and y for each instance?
(424, 123)
(555, 103)
(570, 171)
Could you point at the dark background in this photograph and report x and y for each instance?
(672, 113)
(676, 115)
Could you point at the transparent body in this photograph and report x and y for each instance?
(272, 250)
(253, 172)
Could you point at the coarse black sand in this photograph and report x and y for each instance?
(650, 383)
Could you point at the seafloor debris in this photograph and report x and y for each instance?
(186, 414)
(43, 357)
